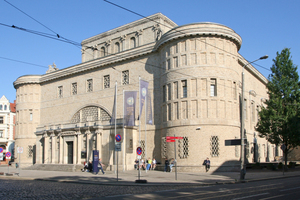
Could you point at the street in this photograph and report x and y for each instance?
(286, 188)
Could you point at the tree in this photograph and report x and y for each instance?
(279, 117)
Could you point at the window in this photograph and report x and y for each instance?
(1, 133)
(175, 61)
(169, 112)
(183, 147)
(60, 91)
(234, 90)
(106, 81)
(168, 64)
(184, 89)
(214, 146)
(89, 85)
(5, 107)
(102, 51)
(117, 47)
(213, 87)
(164, 93)
(175, 90)
(30, 150)
(125, 77)
(74, 88)
(30, 115)
(132, 42)
(169, 91)
(0, 107)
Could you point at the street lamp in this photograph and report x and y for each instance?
(243, 169)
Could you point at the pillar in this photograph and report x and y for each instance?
(39, 149)
(99, 142)
(79, 140)
(75, 151)
(53, 142)
(88, 152)
(61, 155)
(46, 148)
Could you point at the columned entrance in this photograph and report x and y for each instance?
(70, 152)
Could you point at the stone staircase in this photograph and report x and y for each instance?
(56, 167)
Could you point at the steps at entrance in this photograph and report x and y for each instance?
(56, 167)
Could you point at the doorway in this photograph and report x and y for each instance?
(70, 152)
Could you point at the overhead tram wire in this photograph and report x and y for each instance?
(174, 30)
(23, 62)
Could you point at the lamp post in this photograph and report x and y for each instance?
(243, 169)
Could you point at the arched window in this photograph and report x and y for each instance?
(132, 42)
(117, 47)
(5, 107)
(102, 52)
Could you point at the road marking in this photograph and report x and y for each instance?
(272, 197)
(121, 195)
(251, 196)
(289, 189)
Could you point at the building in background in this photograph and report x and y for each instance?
(194, 75)
(7, 128)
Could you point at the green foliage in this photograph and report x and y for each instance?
(280, 116)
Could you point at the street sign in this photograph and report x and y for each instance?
(8, 155)
(139, 157)
(118, 138)
(170, 140)
(173, 138)
(20, 149)
(118, 146)
(139, 151)
(1, 149)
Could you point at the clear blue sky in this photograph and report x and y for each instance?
(265, 27)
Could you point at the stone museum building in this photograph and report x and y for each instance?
(194, 75)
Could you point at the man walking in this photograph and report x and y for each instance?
(100, 166)
(207, 164)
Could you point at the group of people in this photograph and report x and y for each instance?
(88, 167)
(148, 165)
(169, 163)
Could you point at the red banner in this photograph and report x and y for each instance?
(170, 140)
(173, 138)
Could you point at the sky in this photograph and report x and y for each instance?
(266, 27)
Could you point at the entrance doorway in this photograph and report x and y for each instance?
(70, 152)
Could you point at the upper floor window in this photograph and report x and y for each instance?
(106, 81)
(164, 93)
(74, 88)
(102, 51)
(117, 47)
(1, 107)
(89, 85)
(184, 89)
(60, 91)
(1, 120)
(125, 77)
(169, 91)
(213, 87)
(1, 133)
(5, 107)
(132, 42)
(30, 115)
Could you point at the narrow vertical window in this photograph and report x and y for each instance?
(1, 134)
(117, 47)
(213, 87)
(164, 93)
(5, 107)
(1, 120)
(175, 90)
(176, 109)
(214, 146)
(0, 107)
(106, 81)
(60, 91)
(183, 60)
(30, 116)
(234, 90)
(125, 77)
(169, 91)
(184, 88)
(89, 85)
(168, 64)
(169, 112)
(74, 88)
(175, 61)
(102, 51)
(132, 42)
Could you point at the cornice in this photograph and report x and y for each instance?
(27, 79)
(194, 29)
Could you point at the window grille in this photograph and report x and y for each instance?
(214, 146)
(89, 85)
(125, 77)
(90, 113)
(106, 81)
(183, 148)
(60, 91)
(143, 148)
(163, 147)
(30, 151)
(74, 88)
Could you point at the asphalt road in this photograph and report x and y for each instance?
(286, 188)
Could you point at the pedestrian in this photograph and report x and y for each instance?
(153, 164)
(100, 166)
(149, 164)
(207, 164)
(85, 167)
(172, 163)
(166, 164)
(90, 166)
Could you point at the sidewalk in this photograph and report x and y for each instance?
(152, 177)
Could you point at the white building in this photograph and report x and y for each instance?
(7, 127)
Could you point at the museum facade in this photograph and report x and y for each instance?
(194, 75)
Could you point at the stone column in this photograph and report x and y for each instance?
(46, 149)
(95, 51)
(61, 150)
(75, 151)
(122, 39)
(53, 142)
(99, 142)
(88, 134)
(79, 147)
(39, 149)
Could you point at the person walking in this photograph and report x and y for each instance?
(166, 164)
(100, 166)
(207, 164)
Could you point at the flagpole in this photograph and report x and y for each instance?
(115, 121)
(124, 137)
(139, 111)
(146, 99)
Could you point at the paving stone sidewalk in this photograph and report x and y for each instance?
(152, 177)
